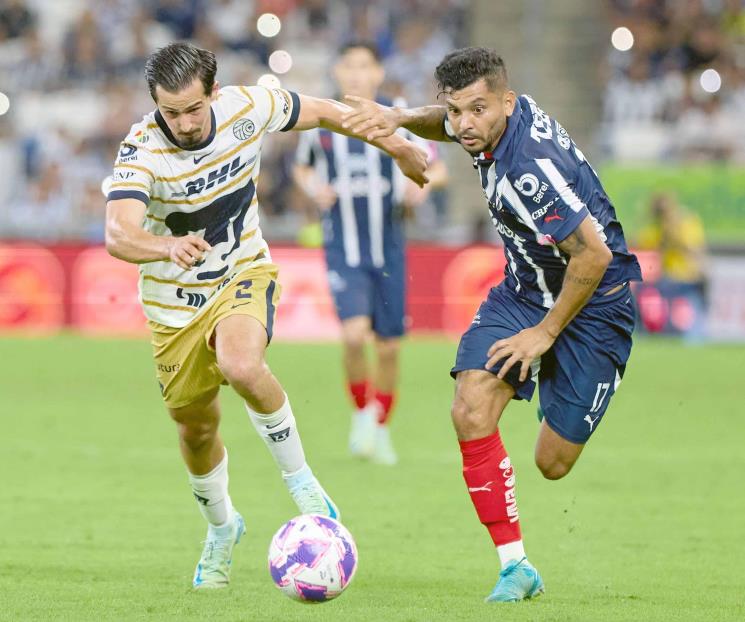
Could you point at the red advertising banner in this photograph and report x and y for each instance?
(44, 289)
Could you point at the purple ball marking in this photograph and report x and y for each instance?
(316, 593)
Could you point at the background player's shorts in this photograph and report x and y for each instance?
(377, 293)
(186, 365)
(578, 375)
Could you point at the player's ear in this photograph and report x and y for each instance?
(215, 90)
(509, 99)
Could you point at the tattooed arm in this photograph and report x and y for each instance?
(588, 259)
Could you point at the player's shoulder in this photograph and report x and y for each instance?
(143, 132)
(540, 138)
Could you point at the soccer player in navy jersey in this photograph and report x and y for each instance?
(563, 316)
(361, 197)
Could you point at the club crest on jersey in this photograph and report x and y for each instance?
(142, 137)
(243, 129)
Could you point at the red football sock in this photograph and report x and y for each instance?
(491, 483)
(359, 392)
(386, 402)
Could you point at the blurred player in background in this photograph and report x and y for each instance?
(362, 198)
(183, 205)
(564, 307)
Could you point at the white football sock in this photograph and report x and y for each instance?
(512, 552)
(211, 493)
(279, 431)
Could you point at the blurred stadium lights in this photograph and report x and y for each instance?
(710, 80)
(269, 80)
(622, 39)
(280, 61)
(4, 103)
(268, 25)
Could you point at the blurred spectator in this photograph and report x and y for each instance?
(86, 55)
(16, 19)
(74, 74)
(678, 236)
(181, 16)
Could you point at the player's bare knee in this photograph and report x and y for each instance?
(552, 469)
(242, 371)
(354, 341)
(388, 349)
(195, 434)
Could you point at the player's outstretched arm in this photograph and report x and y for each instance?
(327, 113)
(588, 260)
(127, 240)
(373, 120)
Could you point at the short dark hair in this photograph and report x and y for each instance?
(175, 66)
(365, 45)
(467, 65)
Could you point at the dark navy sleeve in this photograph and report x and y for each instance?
(115, 195)
(294, 114)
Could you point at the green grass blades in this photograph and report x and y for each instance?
(97, 520)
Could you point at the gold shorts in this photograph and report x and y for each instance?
(185, 360)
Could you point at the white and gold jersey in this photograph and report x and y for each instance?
(208, 190)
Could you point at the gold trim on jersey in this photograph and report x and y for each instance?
(155, 218)
(245, 237)
(235, 117)
(211, 163)
(129, 184)
(207, 197)
(154, 303)
(155, 279)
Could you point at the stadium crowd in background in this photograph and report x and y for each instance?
(676, 81)
(67, 68)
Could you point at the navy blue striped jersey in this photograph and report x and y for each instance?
(364, 227)
(540, 187)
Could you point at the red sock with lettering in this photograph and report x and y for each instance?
(491, 483)
(359, 390)
(386, 405)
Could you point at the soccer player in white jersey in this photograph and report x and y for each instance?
(563, 316)
(361, 197)
(183, 205)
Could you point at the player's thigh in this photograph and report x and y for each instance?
(581, 373)
(501, 315)
(480, 398)
(351, 290)
(355, 331)
(389, 299)
(554, 455)
(186, 368)
(251, 295)
(203, 414)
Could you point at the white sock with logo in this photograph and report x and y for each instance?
(211, 493)
(279, 431)
(511, 552)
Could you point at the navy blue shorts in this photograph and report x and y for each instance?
(578, 375)
(377, 293)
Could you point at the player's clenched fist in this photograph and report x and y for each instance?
(413, 163)
(187, 251)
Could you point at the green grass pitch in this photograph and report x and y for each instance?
(97, 520)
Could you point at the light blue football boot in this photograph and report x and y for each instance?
(518, 581)
(213, 569)
(309, 495)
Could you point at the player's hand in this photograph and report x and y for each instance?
(523, 348)
(369, 118)
(187, 251)
(324, 196)
(413, 163)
